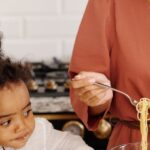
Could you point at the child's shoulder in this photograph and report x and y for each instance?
(43, 122)
(40, 119)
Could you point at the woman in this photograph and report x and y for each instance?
(112, 46)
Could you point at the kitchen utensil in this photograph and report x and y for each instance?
(132, 101)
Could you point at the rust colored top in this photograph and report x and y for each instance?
(114, 39)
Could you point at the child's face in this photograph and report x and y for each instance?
(16, 117)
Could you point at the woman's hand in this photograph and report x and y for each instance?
(90, 94)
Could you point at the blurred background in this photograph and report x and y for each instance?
(41, 33)
(40, 29)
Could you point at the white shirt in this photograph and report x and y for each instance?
(45, 137)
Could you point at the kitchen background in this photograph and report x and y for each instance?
(43, 32)
(40, 29)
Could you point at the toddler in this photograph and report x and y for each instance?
(18, 127)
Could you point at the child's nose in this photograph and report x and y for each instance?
(20, 125)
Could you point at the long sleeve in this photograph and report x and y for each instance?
(92, 49)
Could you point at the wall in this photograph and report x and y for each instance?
(38, 30)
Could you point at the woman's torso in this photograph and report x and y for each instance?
(130, 61)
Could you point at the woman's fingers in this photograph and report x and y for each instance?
(94, 95)
(100, 99)
(88, 92)
(85, 89)
(99, 77)
(86, 78)
(82, 83)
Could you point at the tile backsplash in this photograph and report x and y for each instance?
(38, 30)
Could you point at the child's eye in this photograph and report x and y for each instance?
(6, 123)
(26, 114)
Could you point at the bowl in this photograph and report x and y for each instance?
(130, 146)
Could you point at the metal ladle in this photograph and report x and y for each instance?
(132, 101)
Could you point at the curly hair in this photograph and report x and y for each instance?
(12, 71)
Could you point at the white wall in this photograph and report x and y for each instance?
(37, 30)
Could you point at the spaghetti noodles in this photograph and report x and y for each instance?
(142, 108)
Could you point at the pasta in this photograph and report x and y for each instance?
(142, 108)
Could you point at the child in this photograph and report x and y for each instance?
(18, 127)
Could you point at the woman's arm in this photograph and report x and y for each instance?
(92, 53)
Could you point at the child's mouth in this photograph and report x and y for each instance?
(23, 138)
